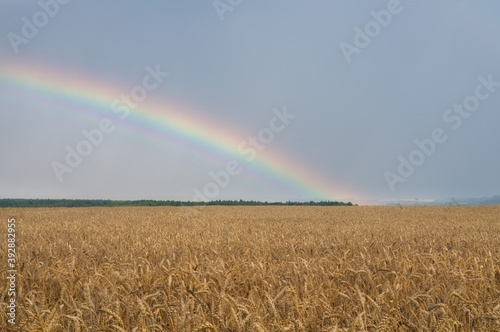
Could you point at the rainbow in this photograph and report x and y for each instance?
(182, 126)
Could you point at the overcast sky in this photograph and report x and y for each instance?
(363, 79)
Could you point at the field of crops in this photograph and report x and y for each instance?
(281, 268)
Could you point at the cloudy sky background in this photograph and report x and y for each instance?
(353, 120)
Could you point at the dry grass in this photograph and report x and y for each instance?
(256, 269)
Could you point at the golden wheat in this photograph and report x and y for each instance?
(281, 268)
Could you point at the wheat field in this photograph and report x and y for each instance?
(281, 268)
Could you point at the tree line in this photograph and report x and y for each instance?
(16, 202)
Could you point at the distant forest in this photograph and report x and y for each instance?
(14, 202)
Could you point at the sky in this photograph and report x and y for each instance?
(238, 99)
